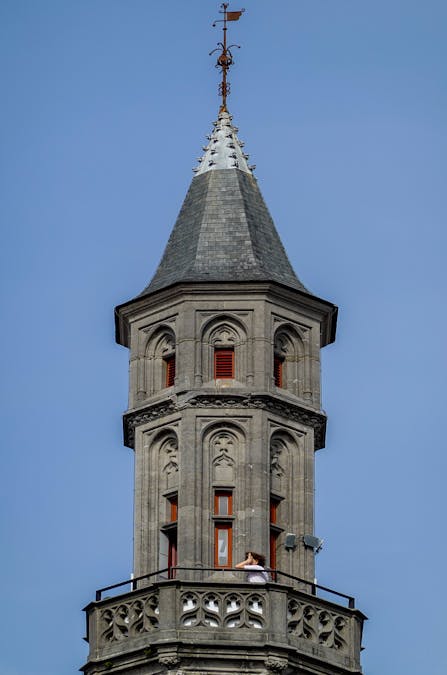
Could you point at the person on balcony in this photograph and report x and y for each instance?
(254, 565)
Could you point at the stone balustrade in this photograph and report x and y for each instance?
(157, 623)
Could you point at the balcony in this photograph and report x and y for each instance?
(205, 617)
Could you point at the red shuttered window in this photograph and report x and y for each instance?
(173, 508)
(223, 363)
(170, 370)
(277, 369)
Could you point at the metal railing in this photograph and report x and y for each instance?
(170, 573)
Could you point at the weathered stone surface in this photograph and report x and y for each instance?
(179, 624)
(245, 435)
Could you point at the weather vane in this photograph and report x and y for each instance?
(225, 58)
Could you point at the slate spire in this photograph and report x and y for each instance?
(224, 231)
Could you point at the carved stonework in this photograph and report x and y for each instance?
(223, 610)
(170, 449)
(294, 413)
(274, 665)
(129, 619)
(169, 660)
(223, 336)
(222, 447)
(276, 448)
(304, 624)
(143, 416)
(283, 344)
(317, 625)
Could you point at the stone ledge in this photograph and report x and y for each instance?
(294, 412)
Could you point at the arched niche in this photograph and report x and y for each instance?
(289, 360)
(224, 477)
(168, 454)
(160, 360)
(224, 335)
(281, 443)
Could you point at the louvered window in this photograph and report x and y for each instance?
(277, 369)
(173, 508)
(223, 363)
(170, 370)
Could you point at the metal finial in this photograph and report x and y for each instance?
(225, 58)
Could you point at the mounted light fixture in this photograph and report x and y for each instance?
(313, 542)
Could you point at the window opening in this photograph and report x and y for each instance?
(223, 503)
(172, 553)
(169, 370)
(171, 534)
(223, 363)
(223, 545)
(277, 369)
(223, 531)
(173, 502)
(274, 534)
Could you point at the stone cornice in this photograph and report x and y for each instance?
(324, 311)
(286, 410)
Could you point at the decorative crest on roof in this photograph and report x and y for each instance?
(224, 149)
(225, 58)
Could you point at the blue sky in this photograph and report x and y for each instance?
(343, 108)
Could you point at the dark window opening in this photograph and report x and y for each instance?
(274, 533)
(172, 553)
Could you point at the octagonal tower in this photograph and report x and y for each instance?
(224, 418)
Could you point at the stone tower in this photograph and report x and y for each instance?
(224, 418)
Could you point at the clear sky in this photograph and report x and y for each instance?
(105, 106)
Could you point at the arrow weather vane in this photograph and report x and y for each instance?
(225, 58)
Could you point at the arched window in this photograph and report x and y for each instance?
(166, 453)
(288, 360)
(160, 360)
(280, 468)
(224, 472)
(224, 351)
(223, 339)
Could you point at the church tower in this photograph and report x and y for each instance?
(224, 418)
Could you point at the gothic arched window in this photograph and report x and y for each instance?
(165, 455)
(288, 360)
(223, 340)
(224, 350)
(161, 362)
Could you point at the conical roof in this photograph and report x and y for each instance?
(224, 231)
